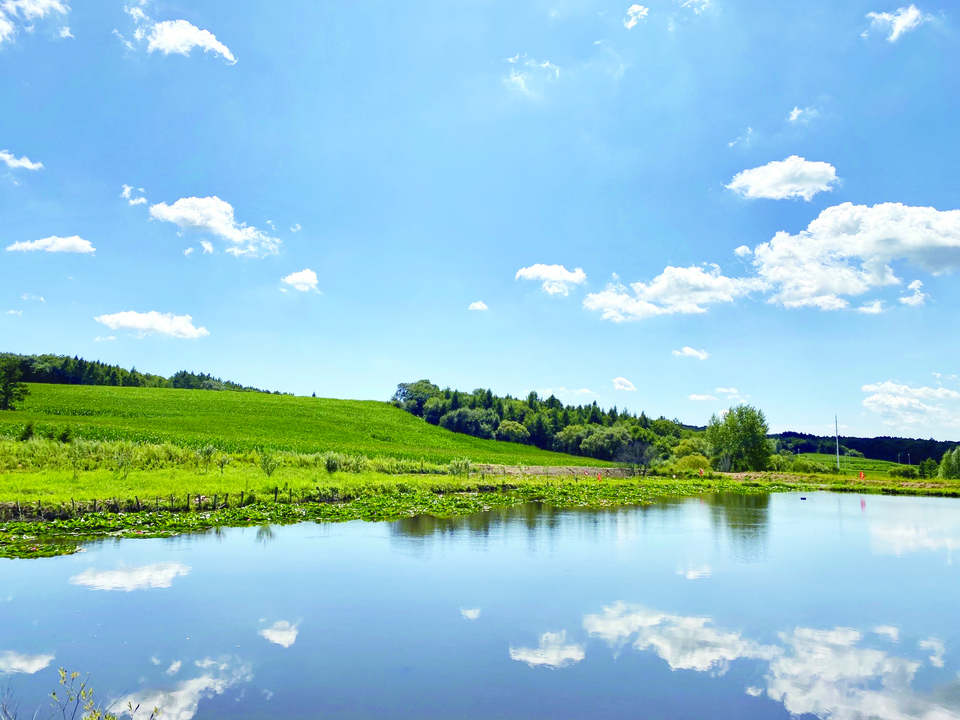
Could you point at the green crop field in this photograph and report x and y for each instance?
(871, 468)
(241, 422)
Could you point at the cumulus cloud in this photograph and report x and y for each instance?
(903, 406)
(938, 649)
(874, 307)
(802, 115)
(701, 398)
(149, 323)
(215, 216)
(281, 633)
(158, 575)
(889, 632)
(478, 305)
(470, 613)
(742, 251)
(180, 37)
(174, 667)
(918, 298)
(551, 652)
(899, 22)
(676, 290)
(26, 11)
(691, 352)
(621, 383)
(557, 280)
(207, 247)
(848, 250)
(12, 662)
(917, 530)
(127, 194)
(188, 252)
(635, 13)
(785, 179)
(65, 32)
(23, 161)
(72, 244)
(304, 280)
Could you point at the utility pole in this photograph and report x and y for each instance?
(836, 424)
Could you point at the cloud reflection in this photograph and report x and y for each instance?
(470, 613)
(827, 673)
(159, 575)
(281, 633)
(551, 653)
(182, 702)
(12, 662)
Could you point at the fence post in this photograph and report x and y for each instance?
(275, 491)
(214, 501)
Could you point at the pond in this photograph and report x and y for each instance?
(721, 606)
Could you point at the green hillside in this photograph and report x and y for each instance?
(240, 422)
(871, 468)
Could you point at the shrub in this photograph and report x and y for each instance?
(460, 466)
(269, 462)
(511, 431)
(694, 461)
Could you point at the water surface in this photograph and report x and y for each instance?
(725, 606)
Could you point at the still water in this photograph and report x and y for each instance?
(725, 606)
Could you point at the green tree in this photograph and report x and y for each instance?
(511, 431)
(12, 391)
(738, 440)
(412, 396)
(950, 465)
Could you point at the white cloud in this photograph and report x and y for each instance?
(897, 23)
(304, 281)
(918, 298)
(158, 575)
(621, 383)
(635, 13)
(533, 76)
(556, 278)
(10, 159)
(701, 398)
(745, 138)
(174, 667)
(180, 37)
(109, 338)
(11, 662)
(183, 702)
(742, 251)
(802, 115)
(188, 252)
(698, 6)
(696, 573)
(207, 247)
(874, 307)
(65, 32)
(938, 648)
(15, 312)
(785, 179)
(148, 323)
(848, 249)
(691, 352)
(26, 11)
(889, 632)
(904, 406)
(470, 613)
(296, 228)
(552, 652)
(478, 305)
(213, 215)
(281, 633)
(72, 244)
(676, 290)
(731, 393)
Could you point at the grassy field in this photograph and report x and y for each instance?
(240, 422)
(851, 465)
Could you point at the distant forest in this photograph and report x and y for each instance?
(65, 370)
(910, 450)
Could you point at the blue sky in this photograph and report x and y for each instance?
(708, 201)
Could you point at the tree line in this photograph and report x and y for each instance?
(891, 449)
(66, 370)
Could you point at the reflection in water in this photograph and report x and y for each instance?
(470, 613)
(888, 631)
(182, 702)
(916, 530)
(696, 573)
(827, 673)
(265, 534)
(744, 517)
(159, 575)
(12, 662)
(551, 652)
(281, 633)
